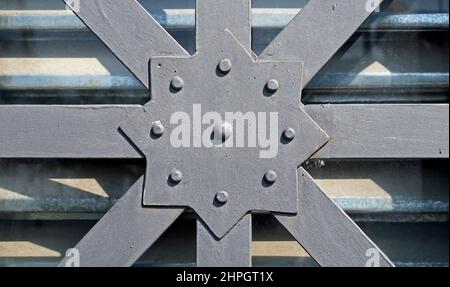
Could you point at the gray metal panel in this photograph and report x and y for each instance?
(383, 131)
(64, 132)
(242, 168)
(318, 31)
(233, 250)
(325, 231)
(129, 31)
(125, 232)
(214, 16)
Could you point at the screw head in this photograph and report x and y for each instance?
(176, 175)
(158, 129)
(223, 131)
(273, 85)
(225, 65)
(177, 83)
(289, 133)
(271, 176)
(222, 197)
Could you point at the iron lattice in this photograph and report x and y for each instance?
(224, 185)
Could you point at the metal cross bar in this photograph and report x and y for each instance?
(318, 31)
(129, 31)
(325, 231)
(383, 131)
(226, 185)
(125, 232)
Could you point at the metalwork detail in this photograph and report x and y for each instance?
(289, 133)
(177, 83)
(222, 197)
(225, 66)
(273, 85)
(176, 176)
(158, 129)
(223, 38)
(222, 131)
(271, 176)
(241, 166)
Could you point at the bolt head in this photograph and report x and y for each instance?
(177, 83)
(273, 85)
(225, 65)
(158, 129)
(271, 176)
(176, 175)
(223, 131)
(289, 133)
(222, 197)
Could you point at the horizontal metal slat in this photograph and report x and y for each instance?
(43, 243)
(356, 131)
(185, 19)
(397, 191)
(64, 132)
(328, 81)
(383, 131)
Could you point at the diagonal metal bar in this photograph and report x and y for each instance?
(233, 250)
(125, 232)
(318, 31)
(356, 131)
(129, 31)
(326, 232)
(214, 16)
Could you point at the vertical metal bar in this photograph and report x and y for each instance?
(233, 250)
(214, 16)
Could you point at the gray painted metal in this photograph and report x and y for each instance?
(383, 131)
(213, 17)
(64, 132)
(185, 19)
(125, 232)
(317, 32)
(233, 250)
(389, 131)
(326, 232)
(237, 170)
(141, 37)
(325, 81)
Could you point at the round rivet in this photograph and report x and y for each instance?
(223, 131)
(270, 176)
(176, 175)
(289, 133)
(273, 85)
(225, 65)
(158, 129)
(222, 197)
(177, 83)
